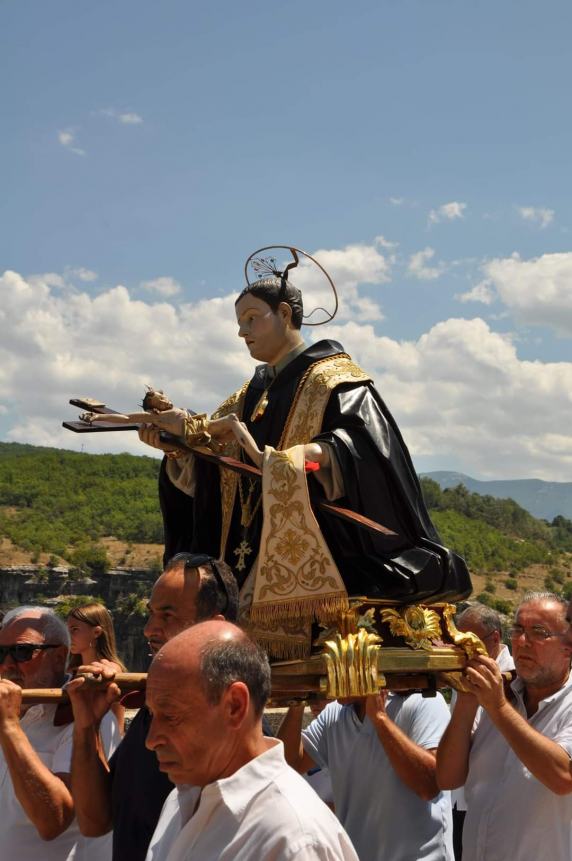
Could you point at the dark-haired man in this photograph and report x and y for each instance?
(128, 793)
(237, 800)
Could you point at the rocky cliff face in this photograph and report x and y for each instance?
(29, 584)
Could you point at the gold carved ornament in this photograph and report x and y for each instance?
(465, 640)
(351, 665)
(418, 626)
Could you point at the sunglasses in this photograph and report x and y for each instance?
(195, 560)
(22, 652)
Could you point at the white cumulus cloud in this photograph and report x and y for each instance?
(418, 265)
(540, 215)
(447, 212)
(163, 286)
(537, 291)
(481, 292)
(461, 395)
(460, 392)
(349, 267)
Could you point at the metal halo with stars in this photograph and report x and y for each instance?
(265, 267)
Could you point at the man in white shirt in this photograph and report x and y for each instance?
(380, 752)
(486, 624)
(37, 819)
(237, 799)
(516, 767)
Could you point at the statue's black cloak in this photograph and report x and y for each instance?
(379, 480)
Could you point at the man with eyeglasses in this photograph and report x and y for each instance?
(518, 763)
(37, 811)
(128, 792)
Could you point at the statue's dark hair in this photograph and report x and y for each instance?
(218, 589)
(238, 660)
(275, 290)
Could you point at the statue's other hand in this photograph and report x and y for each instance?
(223, 430)
(152, 436)
(246, 440)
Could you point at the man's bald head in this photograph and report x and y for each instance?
(216, 654)
(206, 690)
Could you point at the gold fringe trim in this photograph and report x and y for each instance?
(284, 650)
(324, 608)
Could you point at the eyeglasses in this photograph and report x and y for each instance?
(22, 652)
(195, 560)
(535, 634)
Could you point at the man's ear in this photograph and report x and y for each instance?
(236, 704)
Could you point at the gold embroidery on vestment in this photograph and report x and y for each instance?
(296, 576)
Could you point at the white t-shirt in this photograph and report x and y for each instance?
(263, 811)
(19, 839)
(506, 664)
(385, 819)
(511, 814)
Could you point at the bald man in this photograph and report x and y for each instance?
(236, 798)
(127, 793)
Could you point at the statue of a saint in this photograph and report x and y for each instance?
(293, 561)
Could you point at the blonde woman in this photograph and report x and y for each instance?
(92, 638)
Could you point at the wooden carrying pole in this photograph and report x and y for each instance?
(126, 681)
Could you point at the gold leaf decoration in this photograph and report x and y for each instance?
(419, 626)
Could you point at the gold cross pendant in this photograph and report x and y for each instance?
(244, 549)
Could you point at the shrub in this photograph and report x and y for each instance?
(502, 606)
(90, 559)
(511, 584)
(70, 602)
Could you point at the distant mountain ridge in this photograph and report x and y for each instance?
(543, 499)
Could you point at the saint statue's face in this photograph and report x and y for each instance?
(264, 331)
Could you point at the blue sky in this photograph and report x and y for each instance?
(154, 145)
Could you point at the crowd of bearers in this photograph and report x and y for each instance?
(197, 779)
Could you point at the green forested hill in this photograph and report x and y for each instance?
(494, 534)
(52, 498)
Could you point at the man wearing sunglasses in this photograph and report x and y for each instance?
(518, 761)
(127, 793)
(36, 741)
